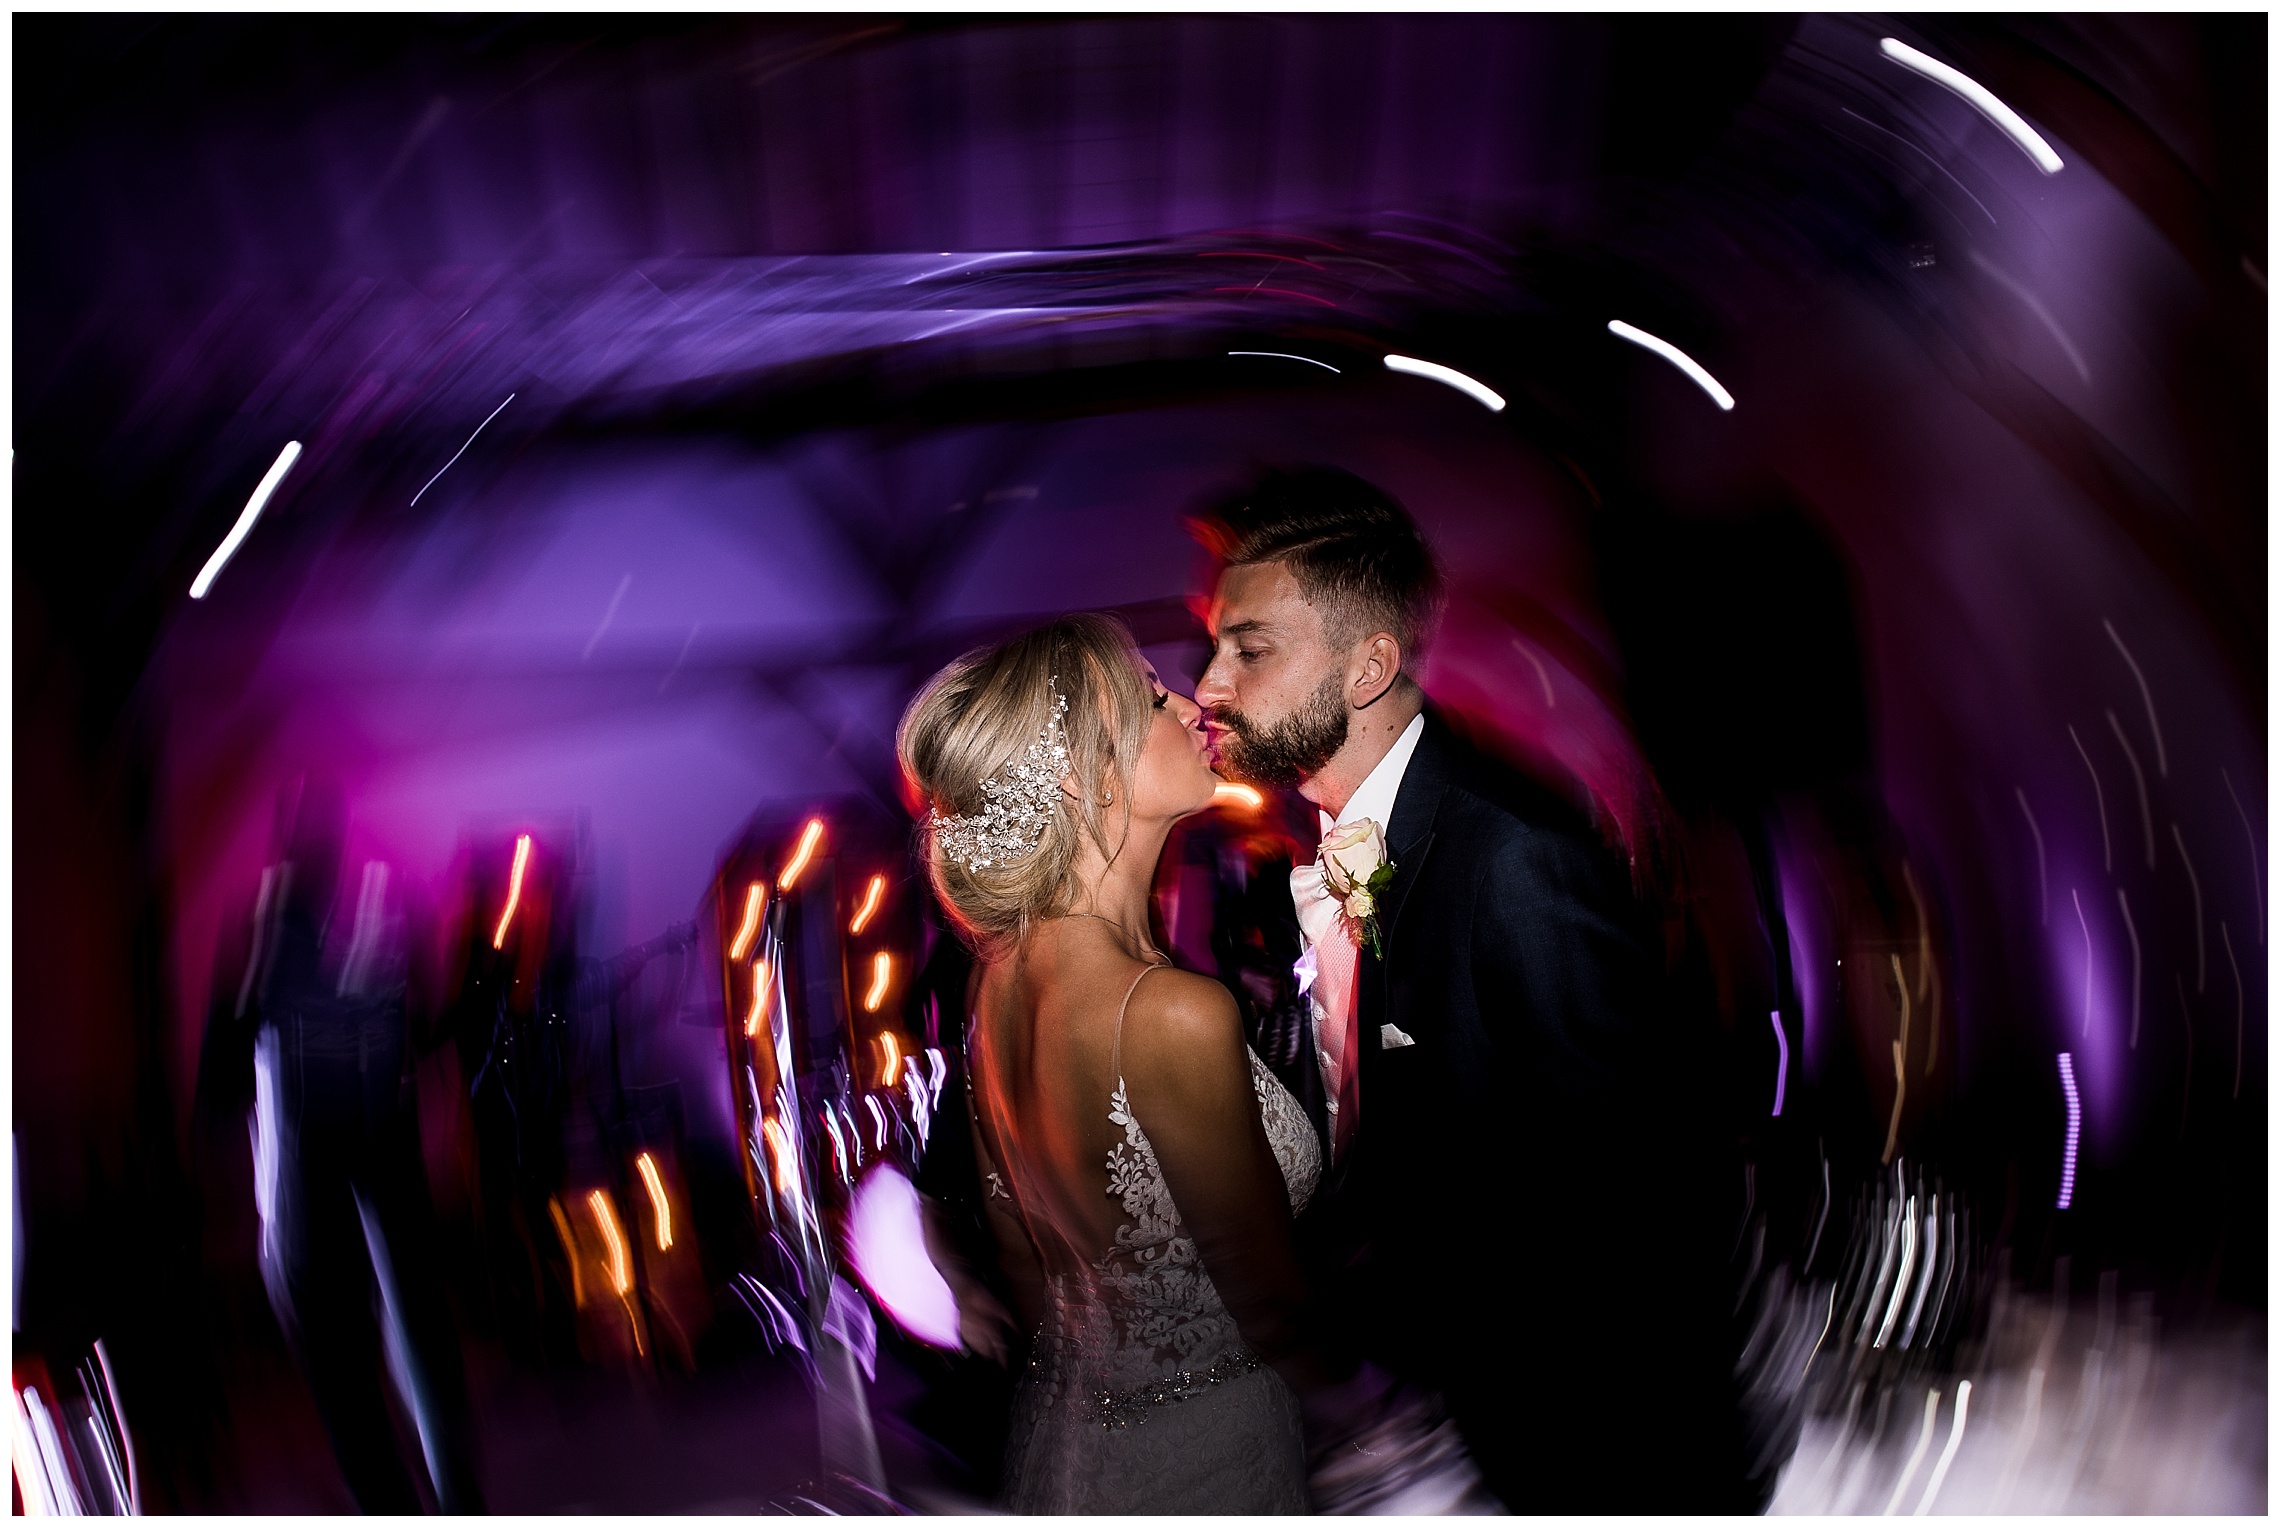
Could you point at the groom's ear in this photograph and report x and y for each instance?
(1372, 670)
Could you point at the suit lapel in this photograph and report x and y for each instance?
(1409, 838)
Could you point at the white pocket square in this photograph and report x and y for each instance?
(1390, 1037)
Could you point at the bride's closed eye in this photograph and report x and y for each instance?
(1161, 697)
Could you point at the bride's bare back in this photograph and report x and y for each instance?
(1050, 1054)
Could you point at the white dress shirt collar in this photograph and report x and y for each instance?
(1374, 799)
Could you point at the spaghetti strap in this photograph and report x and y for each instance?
(1116, 1045)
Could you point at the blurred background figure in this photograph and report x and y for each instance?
(318, 1034)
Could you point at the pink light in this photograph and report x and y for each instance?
(887, 1248)
(2073, 1129)
(755, 898)
(1781, 1068)
(810, 836)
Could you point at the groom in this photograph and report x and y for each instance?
(1519, 1213)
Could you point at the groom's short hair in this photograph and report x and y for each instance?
(1355, 552)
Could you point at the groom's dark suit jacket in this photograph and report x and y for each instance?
(1528, 1218)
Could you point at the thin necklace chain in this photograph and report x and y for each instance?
(1120, 928)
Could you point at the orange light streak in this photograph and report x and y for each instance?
(755, 899)
(882, 967)
(780, 1150)
(893, 1053)
(514, 891)
(570, 1246)
(656, 1187)
(762, 988)
(1244, 796)
(873, 895)
(621, 1271)
(810, 836)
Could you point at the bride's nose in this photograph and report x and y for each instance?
(1185, 709)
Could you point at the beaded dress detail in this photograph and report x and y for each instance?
(1141, 1395)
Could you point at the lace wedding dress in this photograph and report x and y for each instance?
(1141, 1396)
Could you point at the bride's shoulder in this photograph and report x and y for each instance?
(1177, 1012)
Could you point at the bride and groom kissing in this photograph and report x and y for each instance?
(1494, 1280)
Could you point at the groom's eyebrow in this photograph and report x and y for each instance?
(1245, 628)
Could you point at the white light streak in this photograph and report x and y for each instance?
(2042, 870)
(514, 890)
(1676, 357)
(1284, 355)
(2137, 772)
(1980, 99)
(1900, 1280)
(1916, 1458)
(2073, 1129)
(1947, 1454)
(2089, 960)
(2200, 940)
(2104, 837)
(2145, 692)
(244, 527)
(1449, 377)
(462, 451)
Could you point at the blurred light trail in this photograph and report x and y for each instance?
(2073, 1129)
(2137, 773)
(2255, 871)
(2137, 963)
(1916, 1456)
(1676, 357)
(1980, 99)
(31, 1474)
(1900, 1280)
(810, 836)
(755, 899)
(886, 1243)
(893, 1053)
(514, 891)
(462, 451)
(780, 1153)
(1244, 796)
(882, 967)
(873, 895)
(1899, 1066)
(2240, 1007)
(1781, 1067)
(2042, 869)
(244, 527)
(2200, 940)
(2104, 837)
(605, 1215)
(761, 986)
(1927, 158)
(1947, 1454)
(1543, 678)
(1450, 377)
(656, 1186)
(570, 1249)
(2043, 315)
(2089, 960)
(2145, 693)
(937, 1072)
(878, 1119)
(1284, 355)
(609, 614)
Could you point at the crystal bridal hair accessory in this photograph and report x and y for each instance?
(1022, 797)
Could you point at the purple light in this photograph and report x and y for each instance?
(1781, 1068)
(2073, 1128)
(887, 1247)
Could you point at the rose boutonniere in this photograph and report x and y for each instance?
(1356, 871)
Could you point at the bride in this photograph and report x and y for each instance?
(1141, 1165)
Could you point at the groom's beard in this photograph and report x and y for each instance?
(1283, 756)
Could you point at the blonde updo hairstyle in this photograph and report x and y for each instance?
(981, 714)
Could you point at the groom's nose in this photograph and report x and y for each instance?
(1212, 690)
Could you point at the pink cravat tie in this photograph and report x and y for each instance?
(1332, 959)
